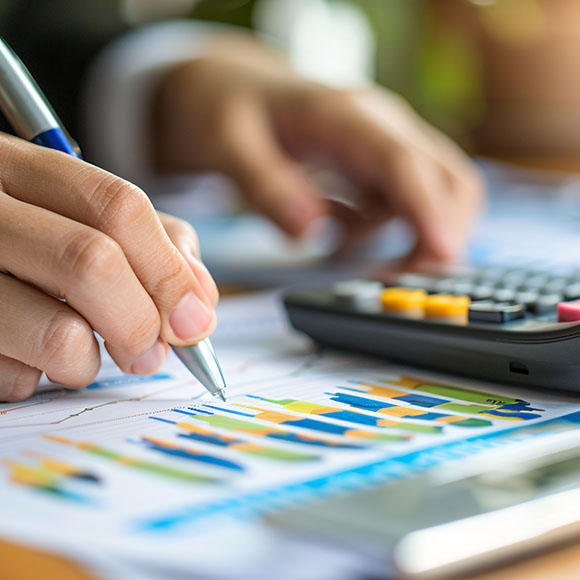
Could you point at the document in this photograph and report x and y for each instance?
(155, 472)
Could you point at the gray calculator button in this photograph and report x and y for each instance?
(487, 311)
(554, 285)
(511, 283)
(527, 297)
(417, 281)
(536, 281)
(444, 285)
(482, 293)
(546, 303)
(363, 295)
(462, 287)
(504, 295)
(572, 292)
(514, 278)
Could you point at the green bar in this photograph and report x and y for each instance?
(283, 455)
(466, 394)
(156, 468)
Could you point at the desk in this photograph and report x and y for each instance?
(18, 563)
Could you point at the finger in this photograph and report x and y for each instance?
(386, 148)
(417, 190)
(464, 181)
(17, 380)
(466, 194)
(45, 334)
(185, 240)
(271, 180)
(91, 196)
(72, 261)
(359, 222)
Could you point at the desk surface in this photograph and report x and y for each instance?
(18, 563)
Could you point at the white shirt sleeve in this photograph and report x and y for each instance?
(119, 89)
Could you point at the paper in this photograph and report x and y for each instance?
(154, 470)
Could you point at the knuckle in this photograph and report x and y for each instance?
(174, 278)
(21, 384)
(400, 157)
(139, 338)
(180, 232)
(323, 99)
(92, 256)
(65, 344)
(12, 154)
(187, 229)
(177, 226)
(116, 204)
(189, 233)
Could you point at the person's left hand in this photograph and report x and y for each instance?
(243, 112)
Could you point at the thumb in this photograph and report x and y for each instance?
(273, 182)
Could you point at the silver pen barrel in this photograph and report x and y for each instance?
(21, 99)
(200, 359)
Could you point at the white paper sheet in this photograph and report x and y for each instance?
(156, 473)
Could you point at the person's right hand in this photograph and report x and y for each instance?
(242, 111)
(83, 250)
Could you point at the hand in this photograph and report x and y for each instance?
(82, 250)
(241, 111)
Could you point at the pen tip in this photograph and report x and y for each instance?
(221, 395)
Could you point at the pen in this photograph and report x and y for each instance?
(33, 119)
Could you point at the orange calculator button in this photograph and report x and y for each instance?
(446, 305)
(403, 299)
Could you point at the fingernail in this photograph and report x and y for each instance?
(149, 362)
(191, 318)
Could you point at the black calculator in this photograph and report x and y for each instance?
(501, 324)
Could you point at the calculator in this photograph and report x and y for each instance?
(501, 324)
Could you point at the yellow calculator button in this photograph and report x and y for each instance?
(403, 299)
(444, 305)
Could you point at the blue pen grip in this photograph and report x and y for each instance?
(55, 139)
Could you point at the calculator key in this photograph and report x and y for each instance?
(572, 292)
(527, 297)
(504, 295)
(488, 311)
(546, 303)
(462, 287)
(568, 311)
(511, 284)
(482, 292)
(444, 285)
(554, 285)
(407, 301)
(449, 307)
(364, 295)
(536, 282)
(417, 281)
(514, 278)
(349, 286)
